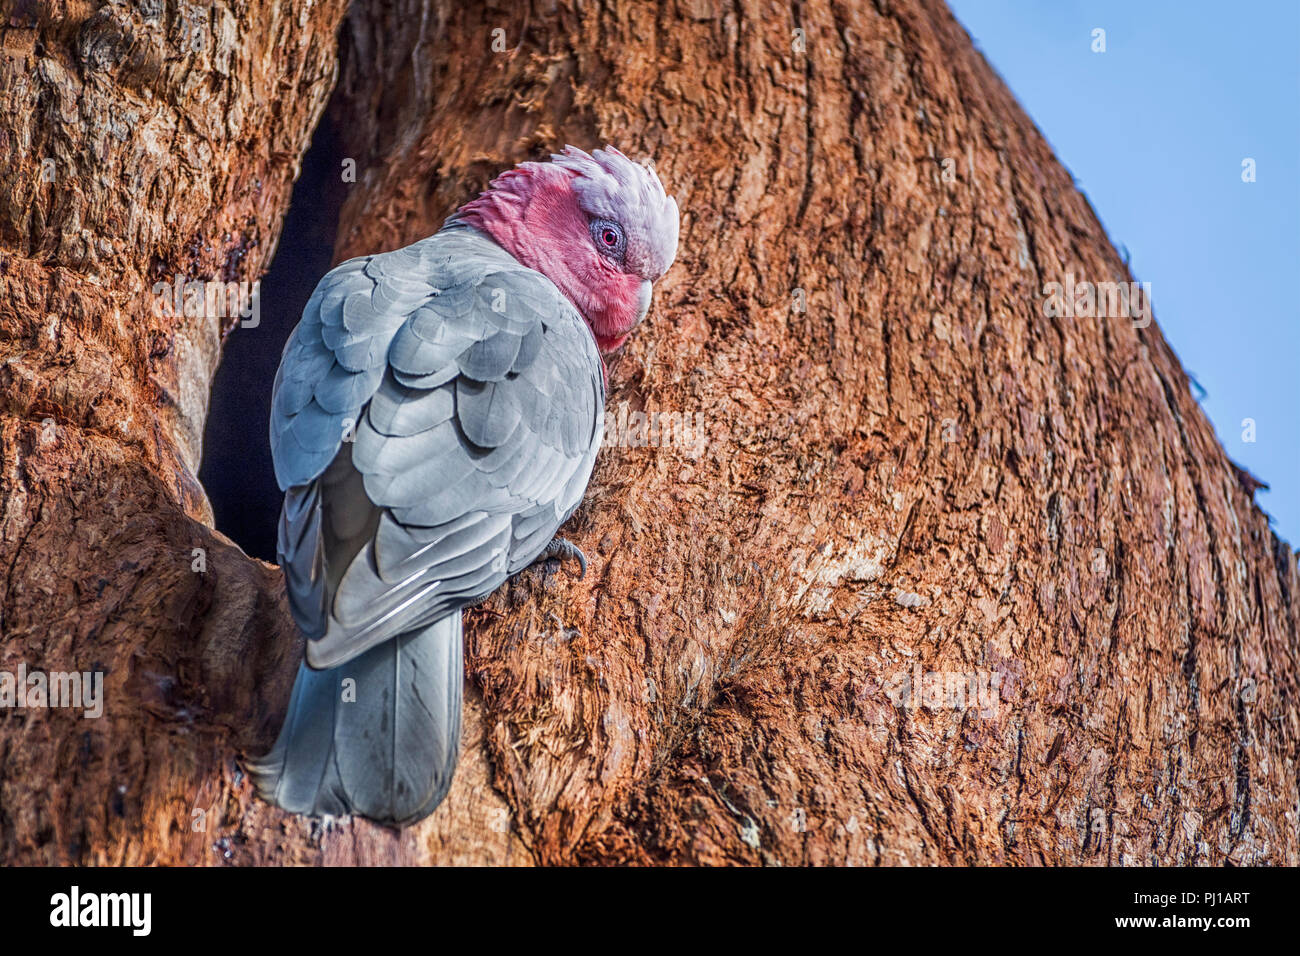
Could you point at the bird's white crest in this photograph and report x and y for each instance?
(611, 186)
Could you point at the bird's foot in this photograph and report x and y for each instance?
(559, 550)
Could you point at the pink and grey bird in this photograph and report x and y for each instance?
(435, 420)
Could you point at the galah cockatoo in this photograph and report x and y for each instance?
(435, 420)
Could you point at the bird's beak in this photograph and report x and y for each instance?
(643, 302)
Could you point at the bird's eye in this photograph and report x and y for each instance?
(608, 237)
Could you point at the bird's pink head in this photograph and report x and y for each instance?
(599, 226)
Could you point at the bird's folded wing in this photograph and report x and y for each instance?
(435, 419)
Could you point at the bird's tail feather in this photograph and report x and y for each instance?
(383, 746)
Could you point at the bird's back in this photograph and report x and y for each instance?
(435, 419)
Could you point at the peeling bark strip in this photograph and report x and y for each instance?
(914, 479)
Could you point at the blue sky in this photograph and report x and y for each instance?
(1154, 131)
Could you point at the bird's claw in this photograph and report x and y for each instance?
(561, 548)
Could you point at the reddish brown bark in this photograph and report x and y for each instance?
(168, 142)
(920, 468)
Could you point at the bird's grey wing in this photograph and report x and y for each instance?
(330, 368)
(477, 444)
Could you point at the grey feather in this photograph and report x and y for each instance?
(399, 411)
(432, 380)
(341, 390)
(487, 411)
(488, 360)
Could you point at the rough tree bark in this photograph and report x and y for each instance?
(138, 142)
(907, 464)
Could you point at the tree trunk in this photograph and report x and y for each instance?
(906, 467)
(140, 144)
